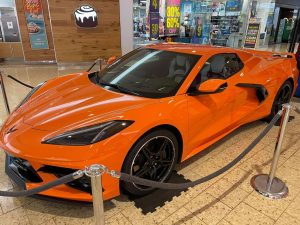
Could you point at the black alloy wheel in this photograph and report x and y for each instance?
(283, 96)
(153, 157)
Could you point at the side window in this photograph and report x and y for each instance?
(220, 66)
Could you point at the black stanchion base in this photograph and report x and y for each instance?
(278, 189)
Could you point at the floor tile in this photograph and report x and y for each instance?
(207, 208)
(286, 219)
(243, 214)
(182, 216)
(228, 193)
(15, 217)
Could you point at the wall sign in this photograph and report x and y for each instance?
(154, 19)
(35, 24)
(252, 35)
(86, 17)
(173, 17)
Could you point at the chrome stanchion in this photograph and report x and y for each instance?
(4, 94)
(95, 173)
(269, 185)
(100, 65)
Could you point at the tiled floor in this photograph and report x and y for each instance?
(227, 199)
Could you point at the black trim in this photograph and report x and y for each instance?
(220, 89)
(261, 91)
(13, 175)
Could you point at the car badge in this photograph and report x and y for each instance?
(12, 129)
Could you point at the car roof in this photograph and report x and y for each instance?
(195, 49)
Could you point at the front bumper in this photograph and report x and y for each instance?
(25, 176)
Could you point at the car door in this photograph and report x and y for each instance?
(211, 115)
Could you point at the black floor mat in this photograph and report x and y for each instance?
(150, 202)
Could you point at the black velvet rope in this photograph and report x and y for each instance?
(20, 82)
(33, 191)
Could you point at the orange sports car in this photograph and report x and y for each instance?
(145, 112)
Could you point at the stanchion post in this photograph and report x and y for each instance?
(285, 119)
(4, 94)
(95, 173)
(269, 185)
(100, 64)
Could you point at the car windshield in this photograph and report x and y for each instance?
(148, 73)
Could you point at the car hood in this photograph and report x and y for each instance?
(76, 103)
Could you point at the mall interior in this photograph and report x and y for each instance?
(41, 41)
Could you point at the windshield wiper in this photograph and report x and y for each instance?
(121, 89)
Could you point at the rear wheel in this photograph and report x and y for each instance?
(153, 157)
(283, 96)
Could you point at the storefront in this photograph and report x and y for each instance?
(232, 23)
(10, 42)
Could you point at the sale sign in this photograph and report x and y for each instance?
(172, 17)
(154, 25)
(154, 19)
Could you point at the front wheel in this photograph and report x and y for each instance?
(283, 96)
(153, 157)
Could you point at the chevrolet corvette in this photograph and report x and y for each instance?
(144, 113)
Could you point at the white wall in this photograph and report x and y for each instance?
(126, 22)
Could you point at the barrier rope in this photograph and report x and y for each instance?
(137, 180)
(20, 82)
(51, 184)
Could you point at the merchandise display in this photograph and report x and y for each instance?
(191, 21)
(199, 95)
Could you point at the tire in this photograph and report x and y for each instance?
(283, 95)
(154, 157)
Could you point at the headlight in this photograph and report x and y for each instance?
(89, 135)
(30, 94)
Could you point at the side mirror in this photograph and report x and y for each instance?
(111, 60)
(212, 86)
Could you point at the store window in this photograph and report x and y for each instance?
(216, 22)
(257, 24)
(9, 29)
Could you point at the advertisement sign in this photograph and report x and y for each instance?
(252, 35)
(154, 6)
(172, 17)
(35, 24)
(154, 19)
(233, 7)
(154, 25)
(86, 17)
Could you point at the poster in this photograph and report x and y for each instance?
(154, 25)
(154, 19)
(172, 17)
(35, 24)
(233, 7)
(252, 35)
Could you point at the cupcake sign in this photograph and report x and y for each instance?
(86, 17)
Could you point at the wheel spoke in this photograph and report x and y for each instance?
(146, 152)
(163, 147)
(165, 162)
(153, 173)
(142, 171)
